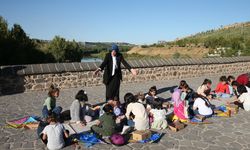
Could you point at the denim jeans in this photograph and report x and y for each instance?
(57, 110)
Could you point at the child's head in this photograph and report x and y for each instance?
(241, 89)
(129, 98)
(53, 92)
(51, 118)
(182, 83)
(235, 84)
(185, 87)
(81, 96)
(157, 104)
(108, 109)
(223, 79)
(230, 79)
(207, 82)
(195, 96)
(152, 91)
(116, 101)
(140, 96)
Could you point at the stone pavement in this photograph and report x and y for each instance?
(225, 133)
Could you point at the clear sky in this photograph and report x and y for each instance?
(134, 21)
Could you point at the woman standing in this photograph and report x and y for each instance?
(112, 71)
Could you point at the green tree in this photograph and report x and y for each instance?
(73, 52)
(57, 48)
(3, 28)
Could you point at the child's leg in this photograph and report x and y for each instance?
(57, 110)
(45, 112)
(97, 130)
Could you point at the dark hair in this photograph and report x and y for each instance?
(196, 95)
(235, 83)
(182, 83)
(223, 79)
(185, 86)
(248, 84)
(206, 81)
(157, 104)
(241, 89)
(230, 77)
(51, 118)
(140, 95)
(129, 98)
(116, 99)
(108, 109)
(52, 90)
(152, 89)
(81, 96)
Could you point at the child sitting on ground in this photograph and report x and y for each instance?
(202, 106)
(141, 98)
(159, 115)
(230, 80)
(49, 105)
(151, 96)
(106, 123)
(179, 104)
(222, 89)
(244, 98)
(80, 111)
(205, 89)
(54, 134)
(136, 111)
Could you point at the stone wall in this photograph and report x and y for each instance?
(25, 78)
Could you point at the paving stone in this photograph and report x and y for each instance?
(189, 148)
(200, 144)
(233, 131)
(28, 145)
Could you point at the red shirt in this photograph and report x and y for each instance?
(220, 88)
(242, 79)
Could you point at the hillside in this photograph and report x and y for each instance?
(231, 40)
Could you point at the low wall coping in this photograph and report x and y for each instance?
(51, 68)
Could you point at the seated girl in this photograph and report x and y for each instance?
(205, 89)
(244, 98)
(80, 111)
(49, 106)
(230, 80)
(137, 112)
(54, 134)
(151, 96)
(222, 89)
(202, 106)
(106, 123)
(159, 115)
(179, 104)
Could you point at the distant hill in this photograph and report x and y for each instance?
(230, 40)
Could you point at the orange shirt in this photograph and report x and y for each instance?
(220, 88)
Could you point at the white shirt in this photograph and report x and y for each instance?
(114, 65)
(159, 114)
(55, 134)
(141, 115)
(202, 108)
(248, 89)
(245, 99)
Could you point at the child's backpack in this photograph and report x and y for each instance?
(117, 139)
